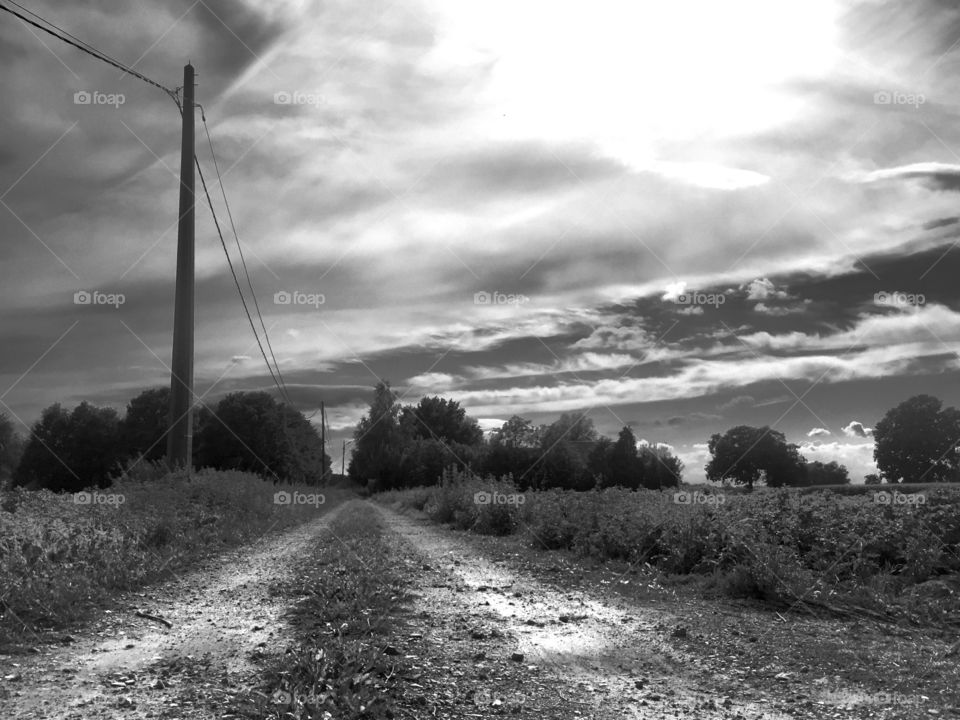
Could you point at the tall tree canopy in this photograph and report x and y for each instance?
(746, 455)
(917, 442)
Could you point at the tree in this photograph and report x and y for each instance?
(69, 451)
(144, 427)
(747, 455)
(659, 468)
(569, 427)
(600, 465)
(517, 432)
(440, 419)
(625, 467)
(560, 465)
(378, 445)
(252, 432)
(917, 442)
(871, 479)
(831, 473)
(11, 449)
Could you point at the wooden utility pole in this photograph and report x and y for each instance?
(180, 436)
(343, 461)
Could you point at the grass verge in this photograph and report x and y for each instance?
(347, 599)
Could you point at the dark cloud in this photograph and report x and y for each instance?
(695, 417)
(941, 222)
(521, 168)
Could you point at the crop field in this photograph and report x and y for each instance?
(881, 551)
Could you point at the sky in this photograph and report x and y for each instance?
(679, 217)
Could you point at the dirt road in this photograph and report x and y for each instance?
(220, 615)
(489, 624)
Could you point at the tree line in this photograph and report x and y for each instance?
(249, 431)
(398, 446)
(915, 442)
(403, 446)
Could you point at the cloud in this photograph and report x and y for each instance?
(694, 417)
(935, 175)
(857, 429)
(736, 402)
(774, 311)
(434, 382)
(819, 432)
(707, 175)
(856, 457)
(763, 289)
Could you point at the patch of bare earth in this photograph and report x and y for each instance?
(128, 666)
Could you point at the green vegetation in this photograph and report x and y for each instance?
(68, 451)
(888, 555)
(409, 446)
(61, 555)
(350, 596)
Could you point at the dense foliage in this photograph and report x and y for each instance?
(250, 432)
(875, 547)
(396, 447)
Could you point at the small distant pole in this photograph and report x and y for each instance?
(180, 436)
(323, 444)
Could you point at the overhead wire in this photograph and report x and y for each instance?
(89, 49)
(243, 260)
(52, 29)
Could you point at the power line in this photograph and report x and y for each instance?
(66, 37)
(233, 272)
(243, 260)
